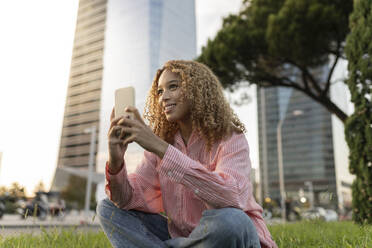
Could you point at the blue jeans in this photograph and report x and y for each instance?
(225, 227)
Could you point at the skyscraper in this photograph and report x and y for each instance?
(309, 140)
(117, 43)
(306, 141)
(84, 89)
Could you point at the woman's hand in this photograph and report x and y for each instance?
(116, 146)
(140, 133)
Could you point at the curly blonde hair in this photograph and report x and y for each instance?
(211, 114)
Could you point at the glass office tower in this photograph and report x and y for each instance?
(140, 37)
(307, 145)
(117, 43)
(315, 153)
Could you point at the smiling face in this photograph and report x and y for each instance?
(171, 99)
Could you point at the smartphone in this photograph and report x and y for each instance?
(124, 97)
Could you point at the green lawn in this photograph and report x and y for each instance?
(321, 234)
(302, 234)
(70, 238)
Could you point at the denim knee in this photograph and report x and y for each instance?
(231, 222)
(103, 206)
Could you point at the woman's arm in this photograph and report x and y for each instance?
(139, 190)
(228, 185)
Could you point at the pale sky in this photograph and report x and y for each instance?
(35, 55)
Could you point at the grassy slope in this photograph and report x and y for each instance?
(64, 239)
(302, 234)
(322, 235)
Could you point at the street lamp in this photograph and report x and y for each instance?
(265, 185)
(311, 191)
(280, 163)
(88, 190)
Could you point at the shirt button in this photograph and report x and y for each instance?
(196, 191)
(169, 173)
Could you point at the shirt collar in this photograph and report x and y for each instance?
(178, 138)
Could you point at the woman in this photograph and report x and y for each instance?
(195, 169)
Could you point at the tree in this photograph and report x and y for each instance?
(11, 195)
(358, 127)
(270, 41)
(283, 42)
(17, 191)
(3, 190)
(74, 193)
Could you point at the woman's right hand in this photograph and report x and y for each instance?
(116, 146)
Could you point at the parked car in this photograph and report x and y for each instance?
(42, 205)
(311, 214)
(266, 214)
(37, 207)
(2, 208)
(330, 215)
(346, 215)
(57, 206)
(320, 213)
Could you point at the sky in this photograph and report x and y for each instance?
(35, 55)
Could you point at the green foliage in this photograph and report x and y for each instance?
(74, 193)
(17, 191)
(321, 234)
(358, 128)
(281, 43)
(10, 207)
(306, 31)
(3, 190)
(10, 195)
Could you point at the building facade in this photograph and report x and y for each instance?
(314, 151)
(118, 43)
(307, 146)
(84, 89)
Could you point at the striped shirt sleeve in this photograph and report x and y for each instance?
(139, 190)
(227, 186)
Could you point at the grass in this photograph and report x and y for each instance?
(301, 234)
(66, 238)
(322, 234)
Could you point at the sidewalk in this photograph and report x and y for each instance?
(70, 220)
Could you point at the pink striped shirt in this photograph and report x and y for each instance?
(189, 180)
